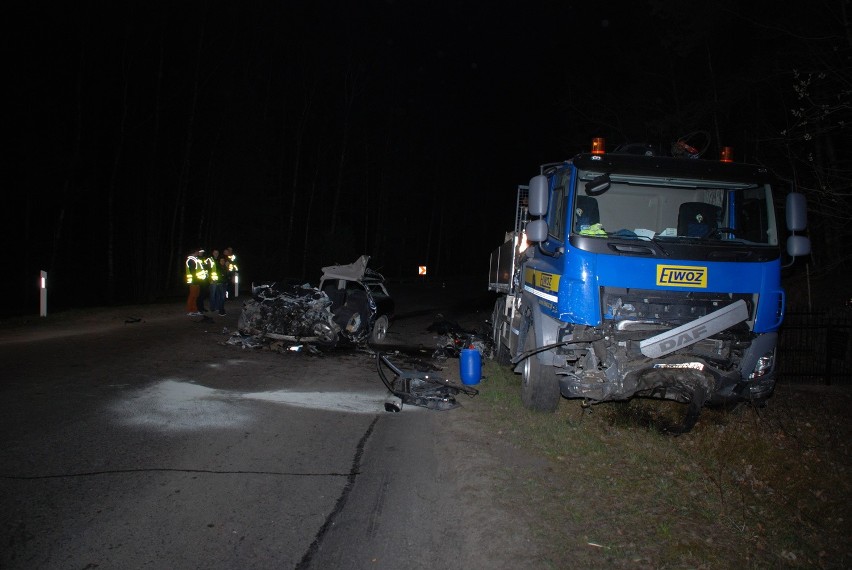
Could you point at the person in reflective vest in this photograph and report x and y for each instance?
(217, 289)
(232, 280)
(211, 275)
(196, 274)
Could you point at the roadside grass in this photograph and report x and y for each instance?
(752, 488)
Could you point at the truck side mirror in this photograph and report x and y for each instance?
(798, 246)
(536, 231)
(797, 212)
(797, 221)
(538, 195)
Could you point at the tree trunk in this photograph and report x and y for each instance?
(351, 90)
(177, 237)
(314, 183)
(113, 179)
(152, 264)
(715, 106)
(301, 126)
(366, 195)
(75, 160)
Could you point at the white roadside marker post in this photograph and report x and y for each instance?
(43, 294)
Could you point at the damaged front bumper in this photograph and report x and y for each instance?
(675, 378)
(715, 355)
(289, 312)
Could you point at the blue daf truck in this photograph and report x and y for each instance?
(632, 274)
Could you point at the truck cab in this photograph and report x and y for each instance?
(636, 275)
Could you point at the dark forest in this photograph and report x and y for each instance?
(305, 134)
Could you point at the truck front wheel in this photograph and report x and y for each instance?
(501, 351)
(539, 384)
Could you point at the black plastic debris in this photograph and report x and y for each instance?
(419, 388)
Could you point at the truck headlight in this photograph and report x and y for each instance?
(763, 366)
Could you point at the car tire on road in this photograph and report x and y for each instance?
(380, 329)
(326, 335)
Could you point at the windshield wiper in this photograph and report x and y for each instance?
(718, 236)
(660, 246)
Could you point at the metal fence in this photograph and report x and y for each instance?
(815, 347)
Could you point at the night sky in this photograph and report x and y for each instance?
(308, 133)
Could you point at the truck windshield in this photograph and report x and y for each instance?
(673, 209)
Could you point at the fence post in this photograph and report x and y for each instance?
(835, 348)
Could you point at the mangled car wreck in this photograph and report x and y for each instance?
(289, 312)
(351, 304)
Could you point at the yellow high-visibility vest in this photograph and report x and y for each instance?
(196, 273)
(213, 274)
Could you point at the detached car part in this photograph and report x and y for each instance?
(419, 388)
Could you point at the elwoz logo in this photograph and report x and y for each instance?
(542, 280)
(681, 276)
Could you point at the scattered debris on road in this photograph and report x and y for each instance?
(419, 388)
(244, 341)
(454, 338)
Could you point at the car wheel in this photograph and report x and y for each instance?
(539, 384)
(380, 329)
(326, 335)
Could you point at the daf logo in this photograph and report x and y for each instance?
(683, 339)
(692, 332)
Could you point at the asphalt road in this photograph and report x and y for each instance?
(153, 443)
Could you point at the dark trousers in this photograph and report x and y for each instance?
(203, 295)
(217, 298)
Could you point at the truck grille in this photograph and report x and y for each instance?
(632, 308)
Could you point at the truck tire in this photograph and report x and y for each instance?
(501, 351)
(539, 384)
